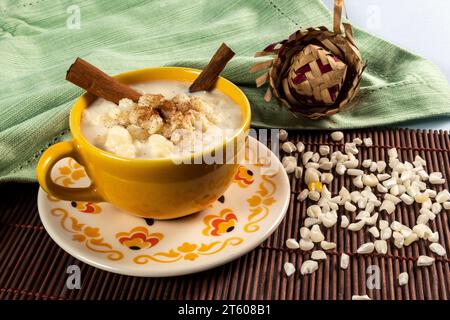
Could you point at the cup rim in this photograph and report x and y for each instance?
(86, 99)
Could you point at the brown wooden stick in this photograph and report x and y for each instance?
(95, 81)
(207, 79)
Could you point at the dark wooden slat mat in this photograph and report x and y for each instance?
(32, 266)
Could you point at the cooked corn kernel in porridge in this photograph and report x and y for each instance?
(167, 121)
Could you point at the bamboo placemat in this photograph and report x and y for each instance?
(32, 266)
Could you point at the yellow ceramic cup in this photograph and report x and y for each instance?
(154, 188)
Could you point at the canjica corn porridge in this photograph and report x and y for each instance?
(167, 121)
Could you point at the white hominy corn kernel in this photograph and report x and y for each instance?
(422, 219)
(381, 188)
(385, 233)
(340, 168)
(366, 163)
(289, 168)
(292, 244)
(366, 248)
(288, 159)
(381, 165)
(396, 226)
(326, 177)
(324, 150)
(399, 242)
(387, 206)
(311, 221)
(368, 142)
(315, 157)
(337, 136)
(423, 231)
(424, 261)
(327, 165)
(309, 266)
(328, 219)
(357, 141)
(362, 215)
(443, 196)
(326, 245)
(374, 231)
(351, 163)
(345, 259)
(312, 165)
(300, 147)
(311, 175)
(306, 245)
(355, 196)
(438, 249)
(370, 180)
(373, 167)
(357, 297)
(435, 180)
(355, 172)
(305, 233)
(357, 182)
(370, 206)
(298, 172)
(283, 135)
(407, 199)
(436, 208)
(446, 205)
(356, 226)
(303, 195)
(313, 211)
(395, 190)
(351, 148)
(318, 255)
(392, 198)
(383, 176)
(392, 153)
(288, 147)
(316, 235)
(349, 206)
(390, 183)
(434, 237)
(383, 224)
(410, 239)
(344, 222)
(380, 246)
(289, 269)
(403, 278)
(307, 156)
(314, 195)
(289, 163)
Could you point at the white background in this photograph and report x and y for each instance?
(420, 26)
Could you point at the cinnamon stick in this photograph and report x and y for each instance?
(208, 77)
(95, 81)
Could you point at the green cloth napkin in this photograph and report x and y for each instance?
(37, 47)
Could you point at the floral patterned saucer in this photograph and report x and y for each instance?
(101, 235)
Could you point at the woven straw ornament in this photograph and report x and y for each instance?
(315, 72)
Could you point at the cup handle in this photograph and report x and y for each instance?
(44, 168)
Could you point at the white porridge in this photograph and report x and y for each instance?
(168, 121)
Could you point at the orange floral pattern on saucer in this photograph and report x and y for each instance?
(139, 238)
(70, 173)
(86, 207)
(217, 225)
(244, 177)
(188, 251)
(260, 202)
(89, 236)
